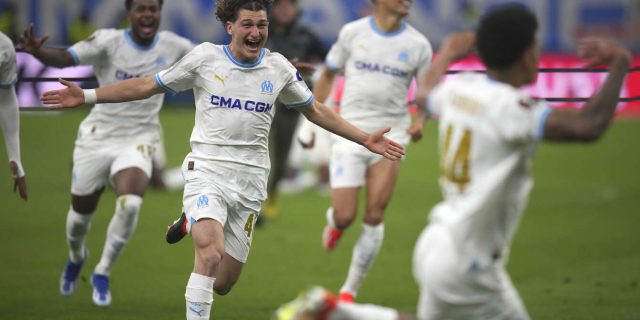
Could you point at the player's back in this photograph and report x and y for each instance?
(7, 62)
(487, 133)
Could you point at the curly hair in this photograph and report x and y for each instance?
(129, 3)
(227, 10)
(504, 35)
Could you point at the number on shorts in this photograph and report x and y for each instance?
(146, 150)
(248, 227)
(457, 170)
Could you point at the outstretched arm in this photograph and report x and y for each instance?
(326, 118)
(590, 123)
(127, 90)
(455, 46)
(49, 56)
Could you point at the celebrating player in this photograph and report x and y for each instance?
(9, 114)
(115, 143)
(488, 130)
(235, 87)
(380, 55)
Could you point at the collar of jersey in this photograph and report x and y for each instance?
(240, 64)
(132, 43)
(375, 28)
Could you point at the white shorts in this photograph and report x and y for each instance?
(450, 289)
(95, 162)
(227, 196)
(348, 165)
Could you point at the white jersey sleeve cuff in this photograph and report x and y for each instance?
(164, 86)
(542, 119)
(74, 55)
(300, 105)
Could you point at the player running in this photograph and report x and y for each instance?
(115, 143)
(380, 55)
(488, 130)
(235, 88)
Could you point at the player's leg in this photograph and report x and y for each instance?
(208, 240)
(348, 169)
(130, 172)
(89, 175)
(381, 180)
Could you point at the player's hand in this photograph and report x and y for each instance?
(599, 51)
(303, 67)
(458, 44)
(19, 182)
(29, 42)
(378, 143)
(309, 143)
(415, 130)
(70, 97)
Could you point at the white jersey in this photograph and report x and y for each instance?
(379, 68)
(488, 131)
(116, 57)
(235, 101)
(8, 75)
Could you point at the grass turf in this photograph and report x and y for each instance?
(575, 256)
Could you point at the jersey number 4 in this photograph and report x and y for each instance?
(456, 168)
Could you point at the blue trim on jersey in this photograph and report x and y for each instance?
(9, 85)
(300, 105)
(74, 55)
(331, 66)
(372, 23)
(240, 64)
(132, 43)
(163, 86)
(543, 119)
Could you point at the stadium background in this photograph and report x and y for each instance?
(576, 255)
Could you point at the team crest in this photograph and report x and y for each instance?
(203, 201)
(403, 56)
(267, 87)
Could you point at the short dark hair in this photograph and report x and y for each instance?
(129, 3)
(504, 35)
(227, 10)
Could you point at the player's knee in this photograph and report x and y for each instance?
(210, 258)
(343, 220)
(129, 204)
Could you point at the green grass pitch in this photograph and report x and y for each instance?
(576, 255)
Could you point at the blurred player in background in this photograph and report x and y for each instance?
(296, 43)
(235, 87)
(10, 114)
(380, 55)
(488, 130)
(115, 143)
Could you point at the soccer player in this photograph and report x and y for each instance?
(235, 88)
(115, 143)
(10, 115)
(295, 42)
(488, 130)
(380, 55)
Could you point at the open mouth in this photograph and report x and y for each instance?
(147, 27)
(252, 44)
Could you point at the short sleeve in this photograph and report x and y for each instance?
(424, 61)
(295, 93)
(433, 101)
(524, 121)
(182, 75)
(91, 51)
(339, 52)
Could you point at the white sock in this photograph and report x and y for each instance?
(330, 220)
(199, 297)
(77, 229)
(120, 230)
(364, 252)
(356, 311)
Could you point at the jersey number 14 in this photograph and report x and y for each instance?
(456, 168)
